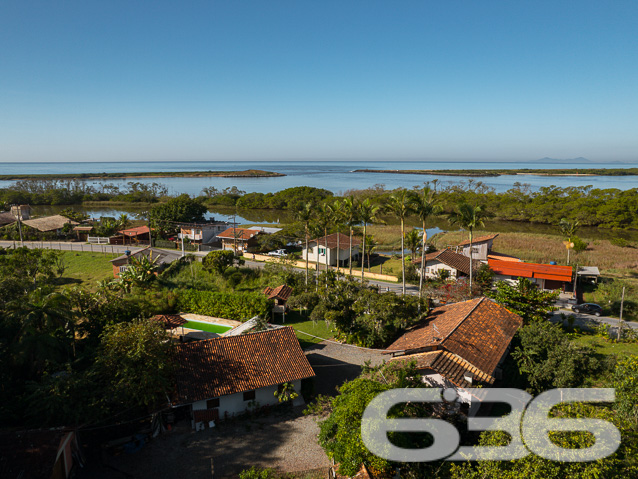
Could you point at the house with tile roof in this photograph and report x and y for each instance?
(159, 256)
(245, 240)
(227, 376)
(49, 223)
(481, 247)
(137, 235)
(454, 264)
(460, 346)
(546, 276)
(318, 248)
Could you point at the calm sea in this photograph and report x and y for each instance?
(336, 176)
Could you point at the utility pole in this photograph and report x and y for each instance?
(19, 209)
(622, 302)
(234, 234)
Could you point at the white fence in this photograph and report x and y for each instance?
(98, 240)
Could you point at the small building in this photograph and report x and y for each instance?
(224, 377)
(318, 248)
(280, 294)
(83, 232)
(456, 265)
(460, 346)
(50, 223)
(244, 239)
(160, 256)
(202, 233)
(140, 235)
(546, 276)
(6, 219)
(22, 212)
(481, 247)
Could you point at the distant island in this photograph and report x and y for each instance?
(521, 171)
(163, 174)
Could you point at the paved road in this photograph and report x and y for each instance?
(590, 321)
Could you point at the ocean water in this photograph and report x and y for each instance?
(336, 176)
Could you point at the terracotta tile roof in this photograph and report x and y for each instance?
(169, 321)
(282, 292)
(479, 239)
(454, 260)
(479, 331)
(450, 366)
(344, 241)
(502, 257)
(138, 230)
(531, 270)
(229, 365)
(242, 233)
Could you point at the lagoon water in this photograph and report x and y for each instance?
(336, 176)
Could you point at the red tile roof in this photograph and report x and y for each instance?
(138, 230)
(479, 239)
(229, 365)
(169, 321)
(457, 261)
(331, 239)
(242, 233)
(282, 292)
(531, 270)
(478, 331)
(450, 366)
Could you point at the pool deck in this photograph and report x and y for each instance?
(200, 335)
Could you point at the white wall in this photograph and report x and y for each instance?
(432, 267)
(234, 404)
(332, 254)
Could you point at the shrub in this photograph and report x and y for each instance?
(622, 242)
(236, 306)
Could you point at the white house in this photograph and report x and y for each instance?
(460, 345)
(202, 233)
(318, 248)
(455, 264)
(223, 377)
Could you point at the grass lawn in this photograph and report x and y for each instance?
(301, 322)
(605, 347)
(86, 269)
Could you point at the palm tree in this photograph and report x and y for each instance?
(469, 217)
(337, 214)
(305, 214)
(399, 206)
(413, 241)
(124, 221)
(367, 214)
(351, 218)
(568, 230)
(324, 218)
(371, 244)
(425, 206)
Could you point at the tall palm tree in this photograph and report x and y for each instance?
(124, 221)
(367, 215)
(351, 218)
(305, 214)
(337, 214)
(425, 206)
(371, 244)
(400, 206)
(469, 217)
(324, 217)
(568, 230)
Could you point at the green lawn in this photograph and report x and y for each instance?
(605, 347)
(86, 269)
(302, 323)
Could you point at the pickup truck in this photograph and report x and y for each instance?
(278, 252)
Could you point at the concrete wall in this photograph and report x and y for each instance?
(480, 250)
(432, 268)
(234, 404)
(315, 256)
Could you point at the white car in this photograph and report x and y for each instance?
(278, 252)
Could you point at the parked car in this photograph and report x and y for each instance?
(588, 308)
(278, 252)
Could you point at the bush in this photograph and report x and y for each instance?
(579, 244)
(236, 306)
(622, 242)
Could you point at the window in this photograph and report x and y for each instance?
(475, 249)
(123, 268)
(249, 396)
(322, 251)
(212, 403)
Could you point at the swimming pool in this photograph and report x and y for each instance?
(208, 327)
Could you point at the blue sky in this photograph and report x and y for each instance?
(465, 80)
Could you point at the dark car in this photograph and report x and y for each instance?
(588, 308)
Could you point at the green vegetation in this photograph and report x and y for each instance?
(86, 269)
(208, 327)
(160, 174)
(236, 306)
(518, 171)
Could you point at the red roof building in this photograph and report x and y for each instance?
(241, 239)
(547, 276)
